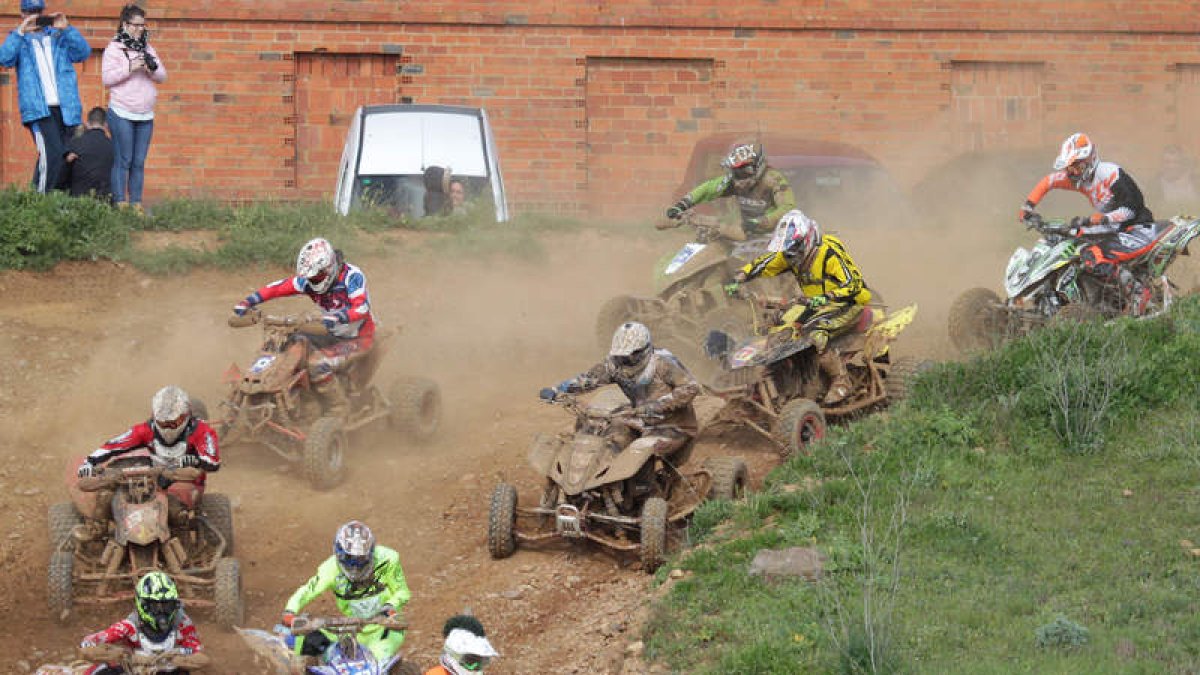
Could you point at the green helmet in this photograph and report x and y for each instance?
(157, 601)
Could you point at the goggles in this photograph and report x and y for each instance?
(318, 277)
(354, 562)
(627, 360)
(474, 662)
(743, 171)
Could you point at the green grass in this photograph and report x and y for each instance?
(1017, 539)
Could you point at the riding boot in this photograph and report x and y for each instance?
(839, 379)
(337, 404)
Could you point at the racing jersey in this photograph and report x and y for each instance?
(761, 206)
(347, 296)
(388, 590)
(1113, 193)
(832, 273)
(126, 632)
(663, 381)
(197, 439)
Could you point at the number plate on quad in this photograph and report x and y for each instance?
(685, 254)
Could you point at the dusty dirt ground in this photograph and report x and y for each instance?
(86, 345)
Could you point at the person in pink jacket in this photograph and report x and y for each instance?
(132, 71)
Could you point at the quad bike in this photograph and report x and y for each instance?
(347, 655)
(145, 662)
(273, 403)
(623, 498)
(771, 381)
(102, 570)
(687, 285)
(1049, 281)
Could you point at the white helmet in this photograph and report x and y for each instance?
(317, 263)
(172, 411)
(631, 348)
(354, 548)
(797, 236)
(466, 649)
(1078, 157)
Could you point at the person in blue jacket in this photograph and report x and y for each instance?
(43, 48)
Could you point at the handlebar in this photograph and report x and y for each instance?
(109, 653)
(107, 478)
(303, 625)
(622, 415)
(254, 317)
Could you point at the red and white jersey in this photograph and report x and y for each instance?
(197, 439)
(1111, 191)
(126, 633)
(348, 294)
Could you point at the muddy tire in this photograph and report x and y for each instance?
(229, 607)
(975, 322)
(1076, 312)
(218, 511)
(405, 668)
(728, 477)
(325, 453)
(900, 377)
(199, 409)
(801, 423)
(416, 407)
(653, 551)
(61, 519)
(613, 313)
(60, 586)
(502, 522)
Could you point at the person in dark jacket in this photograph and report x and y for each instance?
(89, 158)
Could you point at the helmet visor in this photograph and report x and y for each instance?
(474, 662)
(632, 359)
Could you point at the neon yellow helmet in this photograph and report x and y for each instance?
(157, 602)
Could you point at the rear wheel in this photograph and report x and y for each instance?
(416, 407)
(228, 606)
(60, 588)
(976, 322)
(900, 376)
(728, 477)
(654, 533)
(218, 512)
(405, 668)
(324, 453)
(61, 519)
(502, 521)
(801, 423)
(613, 313)
(1076, 312)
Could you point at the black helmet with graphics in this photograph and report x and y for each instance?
(746, 163)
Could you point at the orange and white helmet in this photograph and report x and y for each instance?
(317, 263)
(1078, 158)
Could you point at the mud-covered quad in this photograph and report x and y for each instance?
(688, 286)
(346, 656)
(771, 381)
(135, 663)
(1048, 280)
(101, 570)
(272, 403)
(625, 498)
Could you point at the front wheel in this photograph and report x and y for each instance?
(502, 521)
(229, 608)
(324, 453)
(728, 478)
(654, 533)
(976, 320)
(801, 423)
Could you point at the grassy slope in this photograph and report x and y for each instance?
(1010, 523)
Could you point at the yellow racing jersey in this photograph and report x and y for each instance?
(831, 273)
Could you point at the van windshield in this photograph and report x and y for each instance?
(400, 143)
(406, 196)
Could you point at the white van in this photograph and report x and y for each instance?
(389, 147)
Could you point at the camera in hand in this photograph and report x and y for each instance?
(44, 20)
(151, 62)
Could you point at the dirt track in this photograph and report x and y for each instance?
(86, 345)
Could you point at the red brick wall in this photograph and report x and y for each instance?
(598, 103)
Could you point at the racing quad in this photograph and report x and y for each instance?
(145, 662)
(1049, 280)
(771, 381)
(688, 286)
(625, 498)
(346, 656)
(94, 568)
(272, 402)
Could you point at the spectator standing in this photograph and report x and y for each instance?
(132, 72)
(42, 49)
(89, 158)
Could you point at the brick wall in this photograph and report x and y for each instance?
(596, 105)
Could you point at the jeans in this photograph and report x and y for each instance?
(131, 143)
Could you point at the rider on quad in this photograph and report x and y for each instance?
(660, 388)
(158, 623)
(1121, 224)
(176, 439)
(833, 289)
(762, 192)
(340, 289)
(367, 582)
(466, 649)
